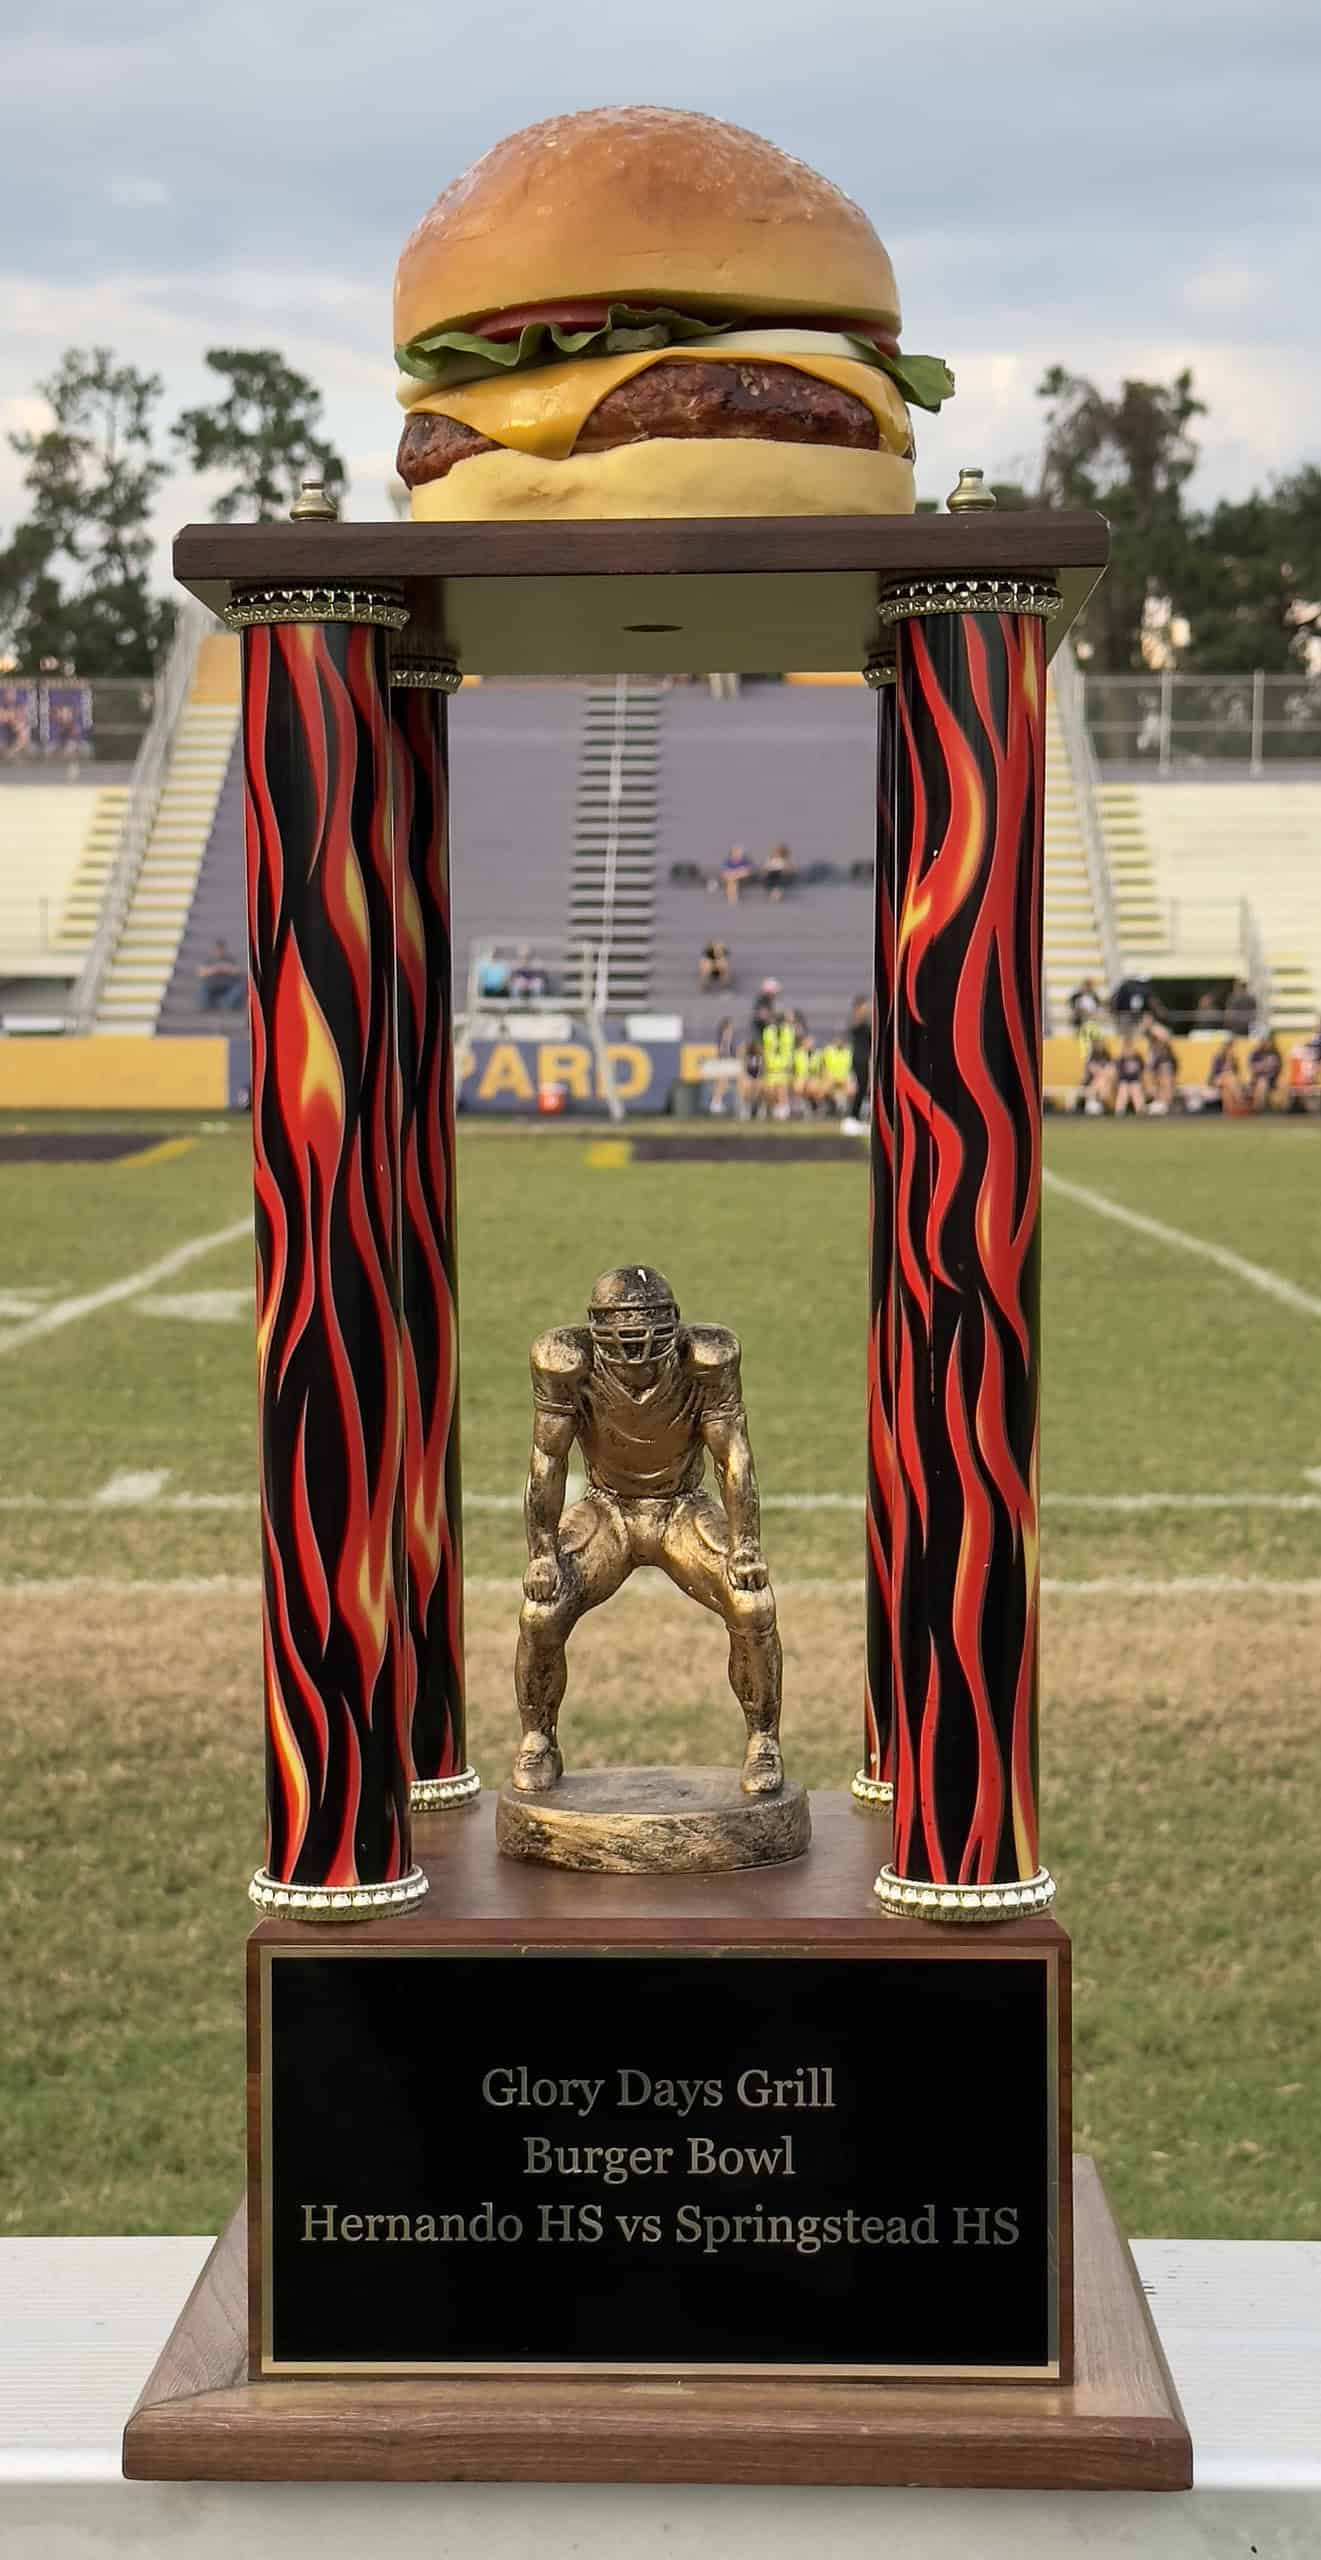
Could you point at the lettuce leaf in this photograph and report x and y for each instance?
(437, 354)
(924, 380)
(442, 357)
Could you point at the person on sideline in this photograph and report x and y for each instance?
(779, 1044)
(1222, 1090)
(1265, 1068)
(1162, 1067)
(766, 1004)
(1129, 1095)
(1096, 1087)
(855, 1119)
(752, 1078)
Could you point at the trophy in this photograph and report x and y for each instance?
(560, 2157)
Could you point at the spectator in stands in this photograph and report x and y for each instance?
(1129, 1093)
(1207, 1016)
(766, 1004)
(224, 980)
(493, 978)
(528, 981)
(1222, 1090)
(859, 1066)
(1265, 1068)
(1096, 1087)
(1240, 1010)
(1162, 1067)
(713, 969)
(735, 872)
(778, 872)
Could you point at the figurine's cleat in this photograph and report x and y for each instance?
(538, 1767)
(763, 1768)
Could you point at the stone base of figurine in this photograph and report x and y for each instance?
(654, 1821)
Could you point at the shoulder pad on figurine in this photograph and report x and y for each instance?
(713, 1351)
(561, 1359)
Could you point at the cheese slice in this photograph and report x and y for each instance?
(542, 411)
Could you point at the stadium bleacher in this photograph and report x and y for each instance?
(1211, 844)
(146, 952)
(47, 832)
(775, 764)
(698, 768)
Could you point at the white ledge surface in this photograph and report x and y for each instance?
(84, 2320)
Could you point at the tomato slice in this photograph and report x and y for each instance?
(525, 315)
(502, 325)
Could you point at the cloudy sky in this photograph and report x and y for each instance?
(1119, 185)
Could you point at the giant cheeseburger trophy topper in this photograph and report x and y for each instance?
(519, 2129)
(641, 312)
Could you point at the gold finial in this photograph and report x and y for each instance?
(971, 492)
(312, 506)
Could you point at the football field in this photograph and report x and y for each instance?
(1181, 1733)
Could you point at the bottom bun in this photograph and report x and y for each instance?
(672, 476)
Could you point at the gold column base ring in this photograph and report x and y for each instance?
(432, 1795)
(871, 1791)
(334, 1902)
(905, 1898)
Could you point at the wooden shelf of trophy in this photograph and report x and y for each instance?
(659, 597)
(1116, 2424)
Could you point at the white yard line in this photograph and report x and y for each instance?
(71, 1310)
(1254, 1273)
(130, 1488)
(1149, 1587)
(508, 1586)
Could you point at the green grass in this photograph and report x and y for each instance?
(1181, 1752)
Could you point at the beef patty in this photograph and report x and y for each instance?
(771, 402)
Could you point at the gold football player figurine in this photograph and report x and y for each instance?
(647, 1399)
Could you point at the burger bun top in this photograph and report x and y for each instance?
(642, 204)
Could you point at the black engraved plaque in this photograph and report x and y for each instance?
(643, 2158)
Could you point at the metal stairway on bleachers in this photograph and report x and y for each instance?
(612, 895)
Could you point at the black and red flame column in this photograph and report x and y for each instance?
(326, 1145)
(433, 1539)
(874, 1782)
(966, 1041)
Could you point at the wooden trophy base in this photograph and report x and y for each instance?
(1118, 2425)
(621, 1822)
(672, 2178)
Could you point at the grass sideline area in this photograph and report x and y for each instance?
(1180, 1745)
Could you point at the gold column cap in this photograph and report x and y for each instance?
(312, 506)
(969, 492)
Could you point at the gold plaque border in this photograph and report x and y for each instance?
(619, 2369)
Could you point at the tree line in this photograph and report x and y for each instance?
(1244, 575)
(75, 587)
